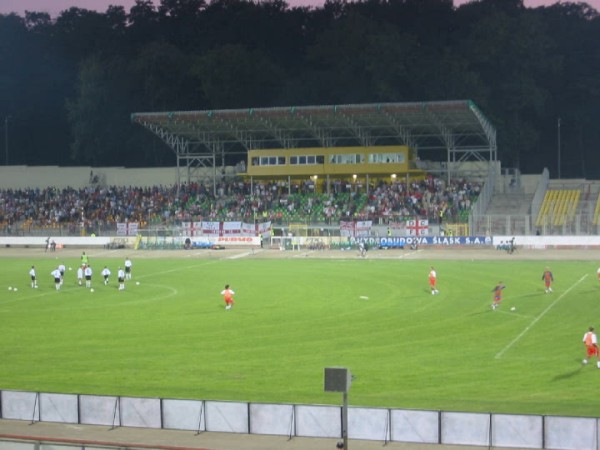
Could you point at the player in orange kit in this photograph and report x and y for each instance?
(591, 346)
(433, 281)
(227, 296)
(548, 279)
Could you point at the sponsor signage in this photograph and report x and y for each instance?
(402, 241)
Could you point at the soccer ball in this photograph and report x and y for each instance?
(513, 308)
(92, 290)
(15, 289)
(137, 283)
(10, 288)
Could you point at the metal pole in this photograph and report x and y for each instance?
(558, 145)
(345, 420)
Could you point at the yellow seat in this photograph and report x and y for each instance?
(597, 210)
(560, 205)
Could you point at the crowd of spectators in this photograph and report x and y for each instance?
(97, 208)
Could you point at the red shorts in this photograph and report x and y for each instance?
(591, 350)
(432, 282)
(548, 284)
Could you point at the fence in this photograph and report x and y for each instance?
(524, 224)
(322, 421)
(488, 225)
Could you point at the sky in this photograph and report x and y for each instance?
(54, 7)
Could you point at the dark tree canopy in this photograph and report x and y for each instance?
(69, 84)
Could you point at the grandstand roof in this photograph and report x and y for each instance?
(458, 127)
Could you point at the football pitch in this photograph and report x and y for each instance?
(170, 336)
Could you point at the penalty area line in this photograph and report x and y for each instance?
(536, 319)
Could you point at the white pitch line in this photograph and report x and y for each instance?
(408, 255)
(172, 292)
(240, 255)
(303, 254)
(535, 320)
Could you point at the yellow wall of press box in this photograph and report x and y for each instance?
(329, 161)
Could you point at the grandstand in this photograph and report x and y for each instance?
(315, 165)
(382, 162)
(596, 217)
(559, 207)
(537, 205)
(563, 206)
(68, 212)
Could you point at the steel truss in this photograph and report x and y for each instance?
(451, 131)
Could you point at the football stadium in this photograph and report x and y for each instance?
(305, 277)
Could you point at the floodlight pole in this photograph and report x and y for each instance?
(558, 145)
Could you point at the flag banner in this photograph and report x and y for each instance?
(132, 228)
(192, 228)
(418, 227)
(211, 228)
(248, 229)
(361, 228)
(264, 228)
(121, 229)
(231, 228)
(127, 228)
(346, 228)
(400, 226)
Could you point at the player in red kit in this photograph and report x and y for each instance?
(548, 279)
(227, 296)
(498, 294)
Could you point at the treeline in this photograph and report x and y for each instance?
(68, 85)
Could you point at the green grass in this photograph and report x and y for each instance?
(171, 337)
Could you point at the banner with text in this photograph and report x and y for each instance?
(127, 228)
(218, 229)
(401, 241)
(360, 228)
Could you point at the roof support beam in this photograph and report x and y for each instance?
(447, 131)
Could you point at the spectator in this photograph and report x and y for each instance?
(89, 209)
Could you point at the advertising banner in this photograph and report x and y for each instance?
(407, 241)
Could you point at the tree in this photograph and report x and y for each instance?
(575, 88)
(143, 23)
(233, 76)
(524, 67)
(513, 53)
